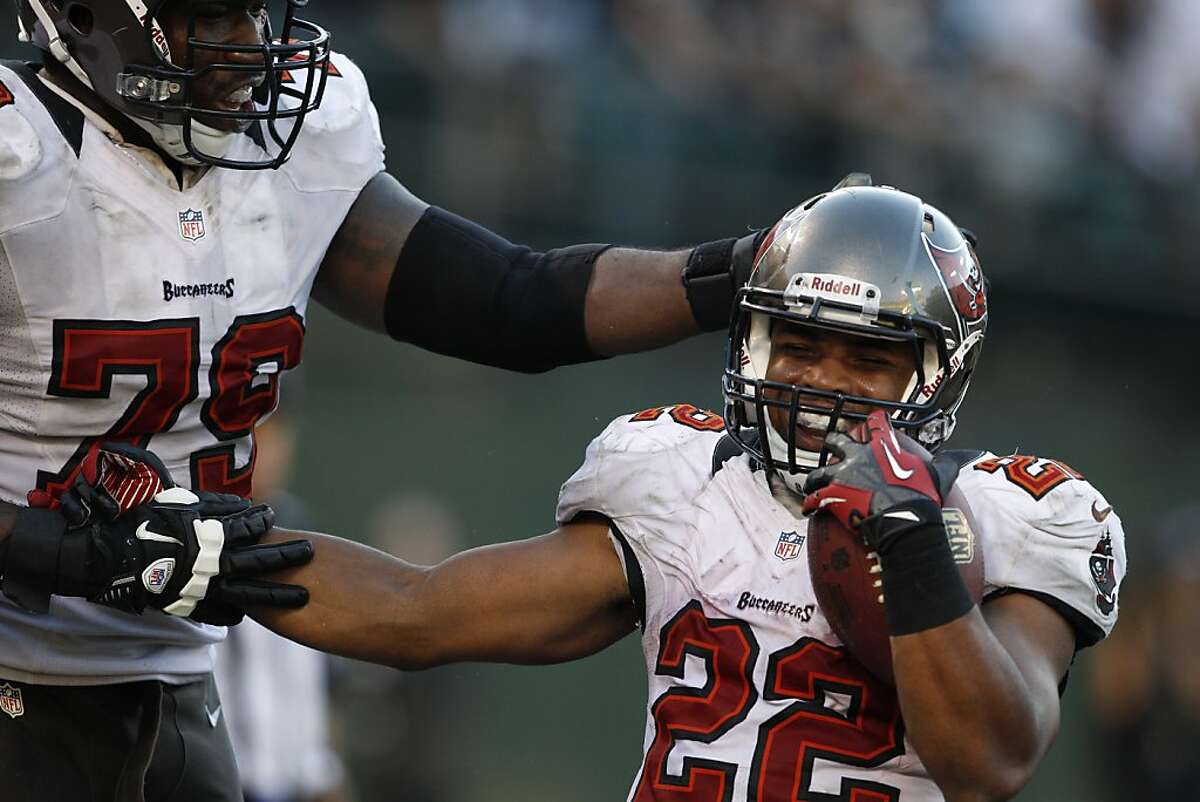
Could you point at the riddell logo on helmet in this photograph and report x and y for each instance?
(835, 286)
(156, 34)
(842, 292)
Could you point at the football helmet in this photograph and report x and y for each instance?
(119, 50)
(868, 261)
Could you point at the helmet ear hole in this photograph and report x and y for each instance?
(81, 19)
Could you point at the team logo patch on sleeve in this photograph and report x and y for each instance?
(789, 545)
(1104, 575)
(6, 97)
(11, 701)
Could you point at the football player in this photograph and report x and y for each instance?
(176, 178)
(865, 315)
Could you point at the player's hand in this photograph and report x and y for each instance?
(180, 553)
(891, 491)
(133, 540)
(879, 482)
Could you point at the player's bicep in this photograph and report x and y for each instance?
(358, 267)
(1041, 643)
(547, 599)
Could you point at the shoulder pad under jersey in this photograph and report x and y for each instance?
(649, 464)
(340, 146)
(1048, 532)
(40, 136)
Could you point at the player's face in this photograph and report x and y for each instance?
(232, 22)
(835, 362)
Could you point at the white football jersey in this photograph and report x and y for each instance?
(751, 695)
(130, 309)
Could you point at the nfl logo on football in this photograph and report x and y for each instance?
(11, 701)
(788, 547)
(191, 225)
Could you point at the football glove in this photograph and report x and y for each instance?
(892, 494)
(876, 484)
(125, 536)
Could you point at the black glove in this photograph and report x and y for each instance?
(187, 554)
(892, 493)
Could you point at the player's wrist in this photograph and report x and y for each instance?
(715, 271)
(29, 561)
(922, 586)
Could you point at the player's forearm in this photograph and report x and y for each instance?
(968, 710)
(546, 599)
(362, 604)
(637, 301)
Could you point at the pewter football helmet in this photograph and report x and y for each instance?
(868, 261)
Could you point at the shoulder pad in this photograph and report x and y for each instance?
(649, 464)
(1028, 477)
(17, 78)
(1049, 532)
(39, 136)
(20, 146)
(341, 146)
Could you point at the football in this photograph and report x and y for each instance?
(847, 590)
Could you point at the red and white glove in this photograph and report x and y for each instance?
(891, 490)
(874, 477)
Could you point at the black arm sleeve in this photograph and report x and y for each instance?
(463, 291)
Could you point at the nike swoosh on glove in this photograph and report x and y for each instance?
(891, 491)
(876, 476)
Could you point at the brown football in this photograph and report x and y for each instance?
(846, 589)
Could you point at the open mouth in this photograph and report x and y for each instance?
(239, 97)
(811, 429)
(809, 438)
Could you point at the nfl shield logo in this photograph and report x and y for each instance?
(11, 701)
(788, 547)
(158, 574)
(191, 225)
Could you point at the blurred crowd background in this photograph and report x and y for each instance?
(1066, 133)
